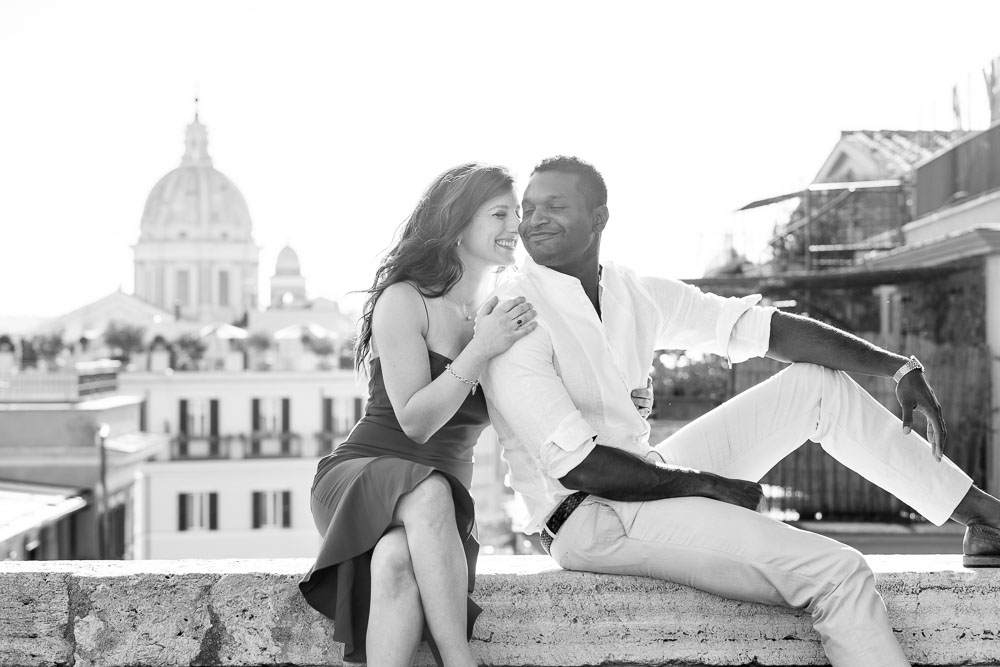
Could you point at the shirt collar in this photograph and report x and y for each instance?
(546, 275)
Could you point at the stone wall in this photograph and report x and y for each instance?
(249, 612)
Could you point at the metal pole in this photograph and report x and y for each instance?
(102, 532)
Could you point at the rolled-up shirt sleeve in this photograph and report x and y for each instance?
(751, 335)
(527, 398)
(733, 327)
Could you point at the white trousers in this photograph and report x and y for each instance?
(740, 554)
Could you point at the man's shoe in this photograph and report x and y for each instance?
(981, 546)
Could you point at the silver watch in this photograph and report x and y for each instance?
(912, 365)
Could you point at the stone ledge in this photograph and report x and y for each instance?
(249, 612)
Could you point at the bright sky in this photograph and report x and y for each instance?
(331, 118)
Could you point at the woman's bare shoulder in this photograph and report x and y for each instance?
(401, 305)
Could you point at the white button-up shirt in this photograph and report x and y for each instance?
(566, 387)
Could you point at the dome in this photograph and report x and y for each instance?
(195, 201)
(288, 263)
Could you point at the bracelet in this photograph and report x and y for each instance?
(911, 365)
(458, 377)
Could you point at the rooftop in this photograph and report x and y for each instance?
(27, 506)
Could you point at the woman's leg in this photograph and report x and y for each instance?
(396, 619)
(428, 515)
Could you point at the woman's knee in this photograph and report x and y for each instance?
(430, 501)
(391, 567)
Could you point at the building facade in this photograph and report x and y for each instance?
(71, 446)
(235, 479)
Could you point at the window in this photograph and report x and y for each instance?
(272, 509)
(223, 288)
(198, 417)
(271, 415)
(198, 511)
(198, 428)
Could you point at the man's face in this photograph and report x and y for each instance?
(557, 227)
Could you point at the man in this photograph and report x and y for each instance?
(606, 501)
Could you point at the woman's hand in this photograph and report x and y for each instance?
(642, 398)
(500, 325)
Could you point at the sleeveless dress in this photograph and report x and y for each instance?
(355, 492)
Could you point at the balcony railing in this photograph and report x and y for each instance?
(187, 447)
(263, 444)
(968, 169)
(84, 380)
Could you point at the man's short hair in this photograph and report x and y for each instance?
(590, 182)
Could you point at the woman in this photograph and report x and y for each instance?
(398, 554)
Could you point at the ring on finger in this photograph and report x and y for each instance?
(519, 321)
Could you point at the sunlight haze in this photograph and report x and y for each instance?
(331, 118)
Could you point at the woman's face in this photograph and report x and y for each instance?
(491, 237)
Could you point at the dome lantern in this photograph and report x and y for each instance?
(196, 145)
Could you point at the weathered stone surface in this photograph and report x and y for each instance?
(34, 619)
(542, 615)
(942, 613)
(249, 612)
(264, 620)
(145, 619)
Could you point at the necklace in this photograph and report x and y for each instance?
(461, 306)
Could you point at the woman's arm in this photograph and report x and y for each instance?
(399, 324)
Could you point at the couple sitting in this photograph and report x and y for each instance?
(557, 351)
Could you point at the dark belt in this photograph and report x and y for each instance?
(558, 518)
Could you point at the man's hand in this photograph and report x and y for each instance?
(643, 399)
(913, 393)
(737, 492)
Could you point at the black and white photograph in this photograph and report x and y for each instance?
(443, 333)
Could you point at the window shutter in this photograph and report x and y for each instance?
(286, 415)
(255, 414)
(258, 509)
(182, 518)
(213, 417)
(213, 511)
(327, 415)
(286, 509)
(182, 425)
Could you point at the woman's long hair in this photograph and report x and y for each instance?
(426, 252)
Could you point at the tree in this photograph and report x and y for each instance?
(48, 346)
(191, 350)
(259, 341)
(319, 346)
(124, 339)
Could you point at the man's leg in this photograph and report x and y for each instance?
(738, 554)
(747, 435)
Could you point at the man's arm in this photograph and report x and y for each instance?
(549, 421)
(619, 475)
(797, 338)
